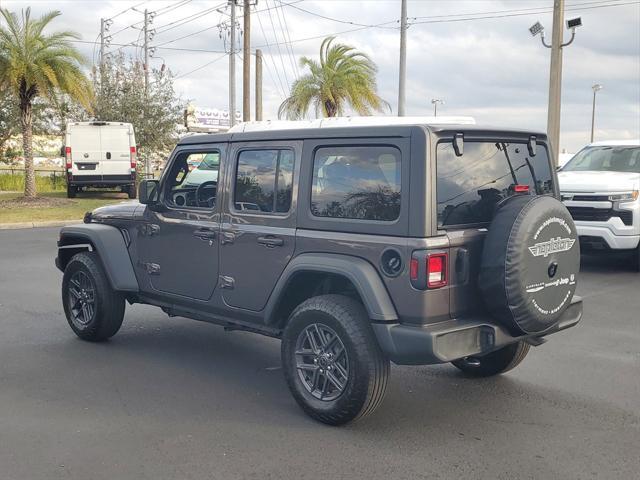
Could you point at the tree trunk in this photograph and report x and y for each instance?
(330, 108)
(27, 140)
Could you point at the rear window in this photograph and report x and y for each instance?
(469, 186)
(605, 159)
(356, 182)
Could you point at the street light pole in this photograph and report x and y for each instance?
(595, 89)
(435, 102)
(555, 70)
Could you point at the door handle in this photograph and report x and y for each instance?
(108, 155)
(205, 234)
(270, 241)
(227, 237)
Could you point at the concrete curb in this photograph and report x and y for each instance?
(50, 223)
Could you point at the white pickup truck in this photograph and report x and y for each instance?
(600, 186)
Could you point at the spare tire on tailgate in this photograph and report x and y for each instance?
(530, 263)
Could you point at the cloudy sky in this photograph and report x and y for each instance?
(476, 55)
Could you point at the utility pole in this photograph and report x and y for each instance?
(102, 22)
(595, 89)
(555, 78)
(147, 164)
(232, 65)
(246, 64)
(258, 84)
(403, 60)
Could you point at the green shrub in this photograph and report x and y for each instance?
(14, 182)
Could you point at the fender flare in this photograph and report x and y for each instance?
(110, 246)
(361, 273)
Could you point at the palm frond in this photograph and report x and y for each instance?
(342, 77)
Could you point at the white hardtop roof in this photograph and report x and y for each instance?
(335, 122)
(98, 123)
(616, 143)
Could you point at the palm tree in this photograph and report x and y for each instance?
(34, 64)
(343, 77)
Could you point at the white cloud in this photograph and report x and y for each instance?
(491, 69)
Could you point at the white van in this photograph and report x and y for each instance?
(100, 154)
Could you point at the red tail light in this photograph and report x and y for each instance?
(521, 188)
(133, 158)
(67, 154)
(437, 270)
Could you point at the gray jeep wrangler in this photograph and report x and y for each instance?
(356, 246)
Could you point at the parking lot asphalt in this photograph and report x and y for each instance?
(170, 398)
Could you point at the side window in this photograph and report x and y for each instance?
(264, 181)
(356, 182)
(470, 186)
(193, 180)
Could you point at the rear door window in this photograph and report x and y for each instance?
(264, 181)
(356, 182)
(470, 186)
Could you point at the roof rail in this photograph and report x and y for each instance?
(335, 122)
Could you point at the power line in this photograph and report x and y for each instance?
(329, 18)
(273, 28)
(187, 19)
(270, 56)
(127, 9)
(201, 66)
(285, 28)
(572, 8)
(170, 8)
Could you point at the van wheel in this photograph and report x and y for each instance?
(494, 363)
(131, 191)
(71, 191)
(93, 309)
(331, 360)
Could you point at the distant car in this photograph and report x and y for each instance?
(100, 154)
(600, 186)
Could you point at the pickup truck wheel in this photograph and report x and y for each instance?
(636, 258)
(494, 363)
(93, 309)
(71, 191)
(131, 191)
(331, 360)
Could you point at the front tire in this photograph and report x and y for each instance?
(331, 360)
(636, 258)
(494, 363)
(93, 309)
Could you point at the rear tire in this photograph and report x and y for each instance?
(342, 374)
(71, 191)
(93, 309)
(494, 363)
(131, 191)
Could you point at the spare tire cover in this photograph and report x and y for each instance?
(530, 262)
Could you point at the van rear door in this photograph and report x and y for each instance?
(116, 150)
(86, 153)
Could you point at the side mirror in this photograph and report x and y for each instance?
(148, 192)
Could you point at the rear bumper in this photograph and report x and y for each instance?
(457, 338)
(101, 180)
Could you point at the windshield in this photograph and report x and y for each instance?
(605, 159)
